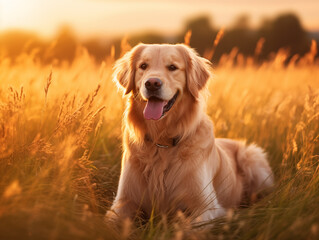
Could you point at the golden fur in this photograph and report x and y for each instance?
(200, 176)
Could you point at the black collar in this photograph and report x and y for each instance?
(174, 141)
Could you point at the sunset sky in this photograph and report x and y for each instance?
(114, 17)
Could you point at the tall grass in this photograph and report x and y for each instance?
(60, 148)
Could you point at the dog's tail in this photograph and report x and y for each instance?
(258, 177)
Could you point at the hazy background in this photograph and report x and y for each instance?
(54, 29)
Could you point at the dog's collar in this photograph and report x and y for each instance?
(174, 141)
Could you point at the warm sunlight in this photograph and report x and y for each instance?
(105, 17)
(159, 119)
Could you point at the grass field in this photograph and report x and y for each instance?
(60, 148)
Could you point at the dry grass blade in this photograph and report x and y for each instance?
(209, 54)
(94, 94)
(219, 37)
(59, 168)
(125, 46)
(259, 47)
(112, 54)
(187, 37)
(313, 48)
(47, 85)
(313, 51)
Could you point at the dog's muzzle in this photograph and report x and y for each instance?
(156, 107)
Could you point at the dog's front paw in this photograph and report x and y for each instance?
(111, 217)
(121, 226)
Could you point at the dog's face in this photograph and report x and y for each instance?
(161, 75)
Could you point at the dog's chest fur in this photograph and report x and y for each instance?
(165, 173)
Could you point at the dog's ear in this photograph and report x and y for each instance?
(198, 70)
(124, 69)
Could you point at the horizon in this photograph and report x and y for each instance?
(124, 17)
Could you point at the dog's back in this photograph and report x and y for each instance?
(244, 172)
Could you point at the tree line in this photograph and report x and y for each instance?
(282, 32)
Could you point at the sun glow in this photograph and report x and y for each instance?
(28, 15)
(105, 17)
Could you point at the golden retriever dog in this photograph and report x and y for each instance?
(171, 160)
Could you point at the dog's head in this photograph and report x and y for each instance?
(161, 75)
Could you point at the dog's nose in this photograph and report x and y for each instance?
(153, 84)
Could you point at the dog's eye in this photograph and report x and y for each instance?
(143, 66)
(172, 67)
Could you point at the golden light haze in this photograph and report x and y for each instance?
(116, 17)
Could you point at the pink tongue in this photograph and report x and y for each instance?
(154, 109)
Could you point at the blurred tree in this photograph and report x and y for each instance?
(15, 42)
(242, 22)
(203, 34)
(146, 38)
(285, 31)
(96, 48)
(239, 35)
(64, 46)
